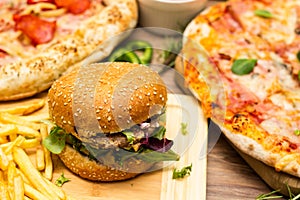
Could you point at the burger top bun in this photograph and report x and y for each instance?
(118, 95)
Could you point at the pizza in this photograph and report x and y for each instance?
(42, 39)
(241, 59)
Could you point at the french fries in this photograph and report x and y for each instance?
(48, 160)
(32, 106)
(21, 176)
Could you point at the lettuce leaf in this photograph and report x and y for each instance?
(55, 142)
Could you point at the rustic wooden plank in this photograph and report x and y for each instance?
(229, 176)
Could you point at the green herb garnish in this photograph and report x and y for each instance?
(269, 196)
(61, 180)
(55, 142)
(184, 128)
(297, 132)
(263, 13)
(243, 66)
(182, 173)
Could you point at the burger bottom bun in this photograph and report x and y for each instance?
(92, 170)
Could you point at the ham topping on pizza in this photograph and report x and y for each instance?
(38, 30)
(74, 6)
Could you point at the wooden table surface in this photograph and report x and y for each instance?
(229, 176)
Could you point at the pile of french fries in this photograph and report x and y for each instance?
(21, 176)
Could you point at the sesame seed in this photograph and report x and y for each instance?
(109, 118)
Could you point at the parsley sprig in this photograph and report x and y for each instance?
(182, 173)
(273, 195)
(61, 180)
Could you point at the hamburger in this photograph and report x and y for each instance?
(109, 121)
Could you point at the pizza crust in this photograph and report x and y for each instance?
(28, 77)
(255, 150)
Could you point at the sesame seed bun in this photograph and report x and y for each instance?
(117, 96)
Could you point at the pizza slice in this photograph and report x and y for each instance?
(41, 39)
(245, 82)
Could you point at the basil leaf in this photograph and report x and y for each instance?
(243, 66)
(129, 136)
(183, 172)
(56, 140)
(263, 13)
(299, 75)
(298, 56)
(159, 133)
(61, 180)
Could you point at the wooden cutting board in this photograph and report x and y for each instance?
(153, 185)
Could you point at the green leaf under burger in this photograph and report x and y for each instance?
(55, 142)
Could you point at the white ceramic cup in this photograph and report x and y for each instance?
(170, 14)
